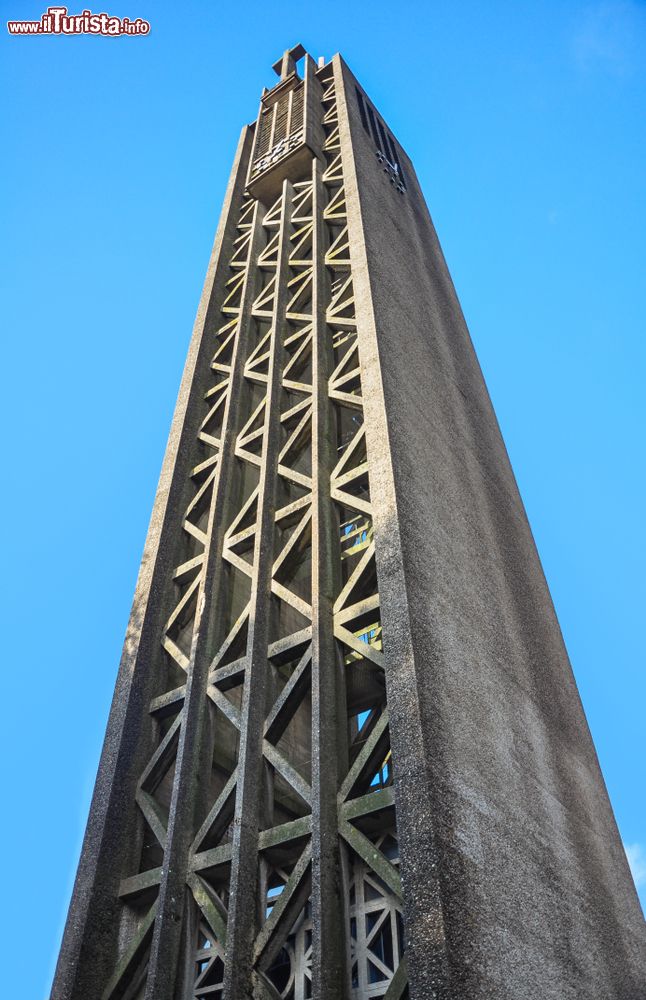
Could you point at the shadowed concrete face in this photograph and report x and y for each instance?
(346, 756)
(492, 749)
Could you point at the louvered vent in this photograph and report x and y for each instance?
(280, 129)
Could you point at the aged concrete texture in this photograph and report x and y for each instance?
(515, 882)
(245, 826)
(90, 941)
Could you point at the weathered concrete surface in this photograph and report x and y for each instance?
(516, 885)
(111, 843)
(515, 882)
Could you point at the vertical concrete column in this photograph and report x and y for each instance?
(514, 879)
(90, 941)
(328, 925)
(194, 743)
(423, 916)
(243, 908)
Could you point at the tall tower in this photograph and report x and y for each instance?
(346, 757)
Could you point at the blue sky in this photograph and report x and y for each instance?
(525, 122)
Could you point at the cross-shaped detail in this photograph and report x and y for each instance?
(287, 62)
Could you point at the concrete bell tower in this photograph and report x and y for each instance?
(346, 757)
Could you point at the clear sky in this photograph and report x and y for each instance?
(526, 125)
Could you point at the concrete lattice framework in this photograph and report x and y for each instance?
(244, 838)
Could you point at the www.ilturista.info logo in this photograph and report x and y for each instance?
(56, 21)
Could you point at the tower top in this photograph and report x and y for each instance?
(287, 62)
